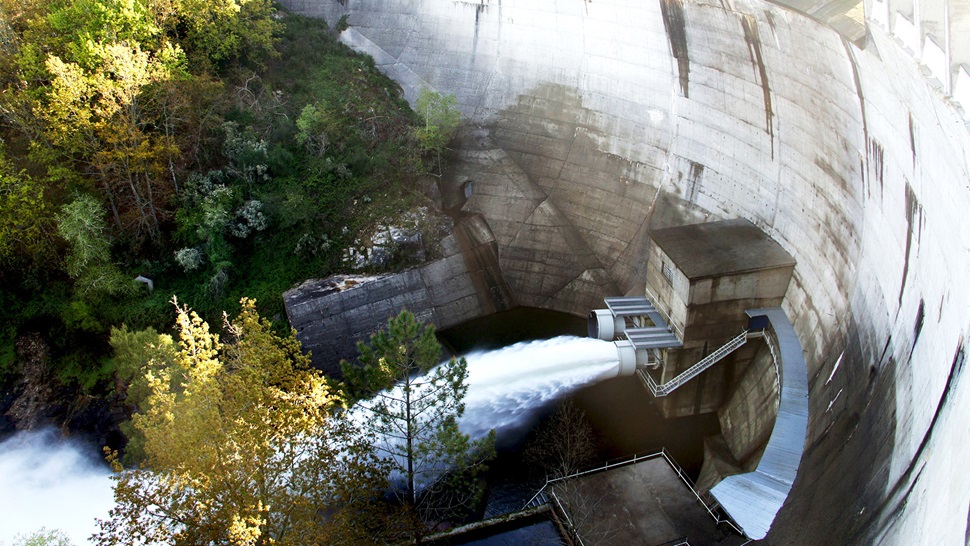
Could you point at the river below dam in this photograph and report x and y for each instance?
(622, 413)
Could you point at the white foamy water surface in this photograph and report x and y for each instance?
(47, 481)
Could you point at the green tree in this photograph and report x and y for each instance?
(242, 447)
(218, 33)
(138, 355)
(414, 416)
(25, 222)
(99, 116)
(104, 95)
(440, 117)
(81, 223)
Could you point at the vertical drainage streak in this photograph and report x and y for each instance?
(674, 22)
(966, 533)
(750, 26)
(912, 207)
(895, 497)
(694, 181)
(912, 139)
(918, 326)
(877, 154)
(862, 109)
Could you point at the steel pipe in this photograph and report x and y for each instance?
(603, 325)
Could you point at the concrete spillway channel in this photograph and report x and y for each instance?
(849, 150)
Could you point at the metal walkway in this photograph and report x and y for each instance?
(754, 498)
(696, 369)
(657, 336)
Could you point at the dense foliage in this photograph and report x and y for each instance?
(239, 441)
(208, 152)
(242, 444)
(218, 148)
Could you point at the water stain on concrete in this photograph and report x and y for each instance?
(896, 499)
(694, 177)
(830, 171)
(752, 37)
(770, 18)
(912, 138)
(912, 209)
(674, 22)
(877, 156)
(480, 8)
(862, 108)
(885, 350)
(966, 533)
(918, 326)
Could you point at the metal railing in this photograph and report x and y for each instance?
(656, 303)
(570, 527)
(711, 508)
(696, 369)
(765, 335)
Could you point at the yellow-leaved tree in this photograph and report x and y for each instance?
(101, 115)
(242, 445)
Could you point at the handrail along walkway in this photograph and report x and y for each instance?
(711, 509)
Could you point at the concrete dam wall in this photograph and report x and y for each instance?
(593, 122)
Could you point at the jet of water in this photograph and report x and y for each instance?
(508, 387)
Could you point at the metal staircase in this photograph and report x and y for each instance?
(538, 500)
(695, 370)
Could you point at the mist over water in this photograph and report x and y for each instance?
(507, 387)
(47, 481)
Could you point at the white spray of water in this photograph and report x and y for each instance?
(49, 482)
(506, 387)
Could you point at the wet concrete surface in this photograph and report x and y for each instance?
(644, 503)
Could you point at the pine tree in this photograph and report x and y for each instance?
(414, 415)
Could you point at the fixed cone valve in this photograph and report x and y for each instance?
(630, 357)
(603, 325)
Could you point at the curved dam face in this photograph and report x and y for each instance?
(593, 122)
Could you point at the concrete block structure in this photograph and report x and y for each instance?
(703, 277)
(331, 315)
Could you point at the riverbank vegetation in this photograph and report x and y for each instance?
(214, 150)
(210, 154)
(240, 441)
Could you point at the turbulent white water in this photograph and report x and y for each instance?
(49, 482)
(506, 387)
